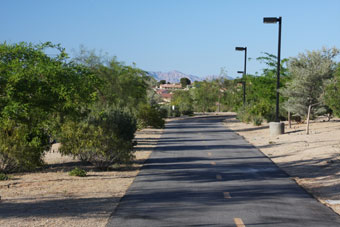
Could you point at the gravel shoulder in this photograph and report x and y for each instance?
(53, 198)
(313, 161)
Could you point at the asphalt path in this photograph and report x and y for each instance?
(203, 174)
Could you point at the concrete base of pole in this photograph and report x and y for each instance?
(276, 128)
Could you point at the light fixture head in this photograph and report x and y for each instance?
(239, 71)
(240, 48)
(270, 20)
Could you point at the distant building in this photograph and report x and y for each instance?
(166, 91)
(166, 95)
(170, 86)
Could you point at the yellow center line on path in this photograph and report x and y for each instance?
(218, 177)
(213, 163)
(239, 222)
(226, 195)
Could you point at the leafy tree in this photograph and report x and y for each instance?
(231, 97)
(270, 60)
(264, 87)
(183, 101)
(148, 115)
(224, 90)
(37, 91)
(185, 82)
(162, 82)
(261, 91)
(309, 72)
(124, 98)
(152, 97)
(332, 94)
(122, 86)
(205, 96)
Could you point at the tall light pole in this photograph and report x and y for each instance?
(244, 71)
(274, 20)
(243, 82)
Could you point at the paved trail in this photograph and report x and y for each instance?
(202, 174)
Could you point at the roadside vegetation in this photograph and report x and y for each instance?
(91, 104)
(77, 172)
(309, 81)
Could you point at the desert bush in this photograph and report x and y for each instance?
(257, 120)
(256, 112)
(262, 109)
(183, 101)
(188, 112)
(175, 113)
(78, 172)
(243, 114)
(3, 177)
(104, 138)
(164, 111)
(149, 116)
(20, 148)
(296, 118)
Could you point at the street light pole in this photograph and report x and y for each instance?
(274, 20)
(244, 71)
(244, 75)
(245, 61)
(278, 73)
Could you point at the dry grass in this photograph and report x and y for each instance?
(312, 160)
(53, 198)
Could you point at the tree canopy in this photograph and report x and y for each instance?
(332, 93)
(185, 82)
(37, 92)
(309, 71)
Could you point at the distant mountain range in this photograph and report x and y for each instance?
(175, 76)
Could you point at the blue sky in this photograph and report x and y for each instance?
(193, 36)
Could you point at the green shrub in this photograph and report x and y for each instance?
(262, 109)
(257, 120)
(256, 113)
(187, 112)
(175, 113)
(163, 111)
(149, 116)
(244, 115)
(104, 138)
(21, 148)
(77, 172)
(3, 177)
(182, 100)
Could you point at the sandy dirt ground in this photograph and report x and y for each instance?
(53, 198)
(313, 160)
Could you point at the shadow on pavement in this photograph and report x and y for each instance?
(68, 207)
